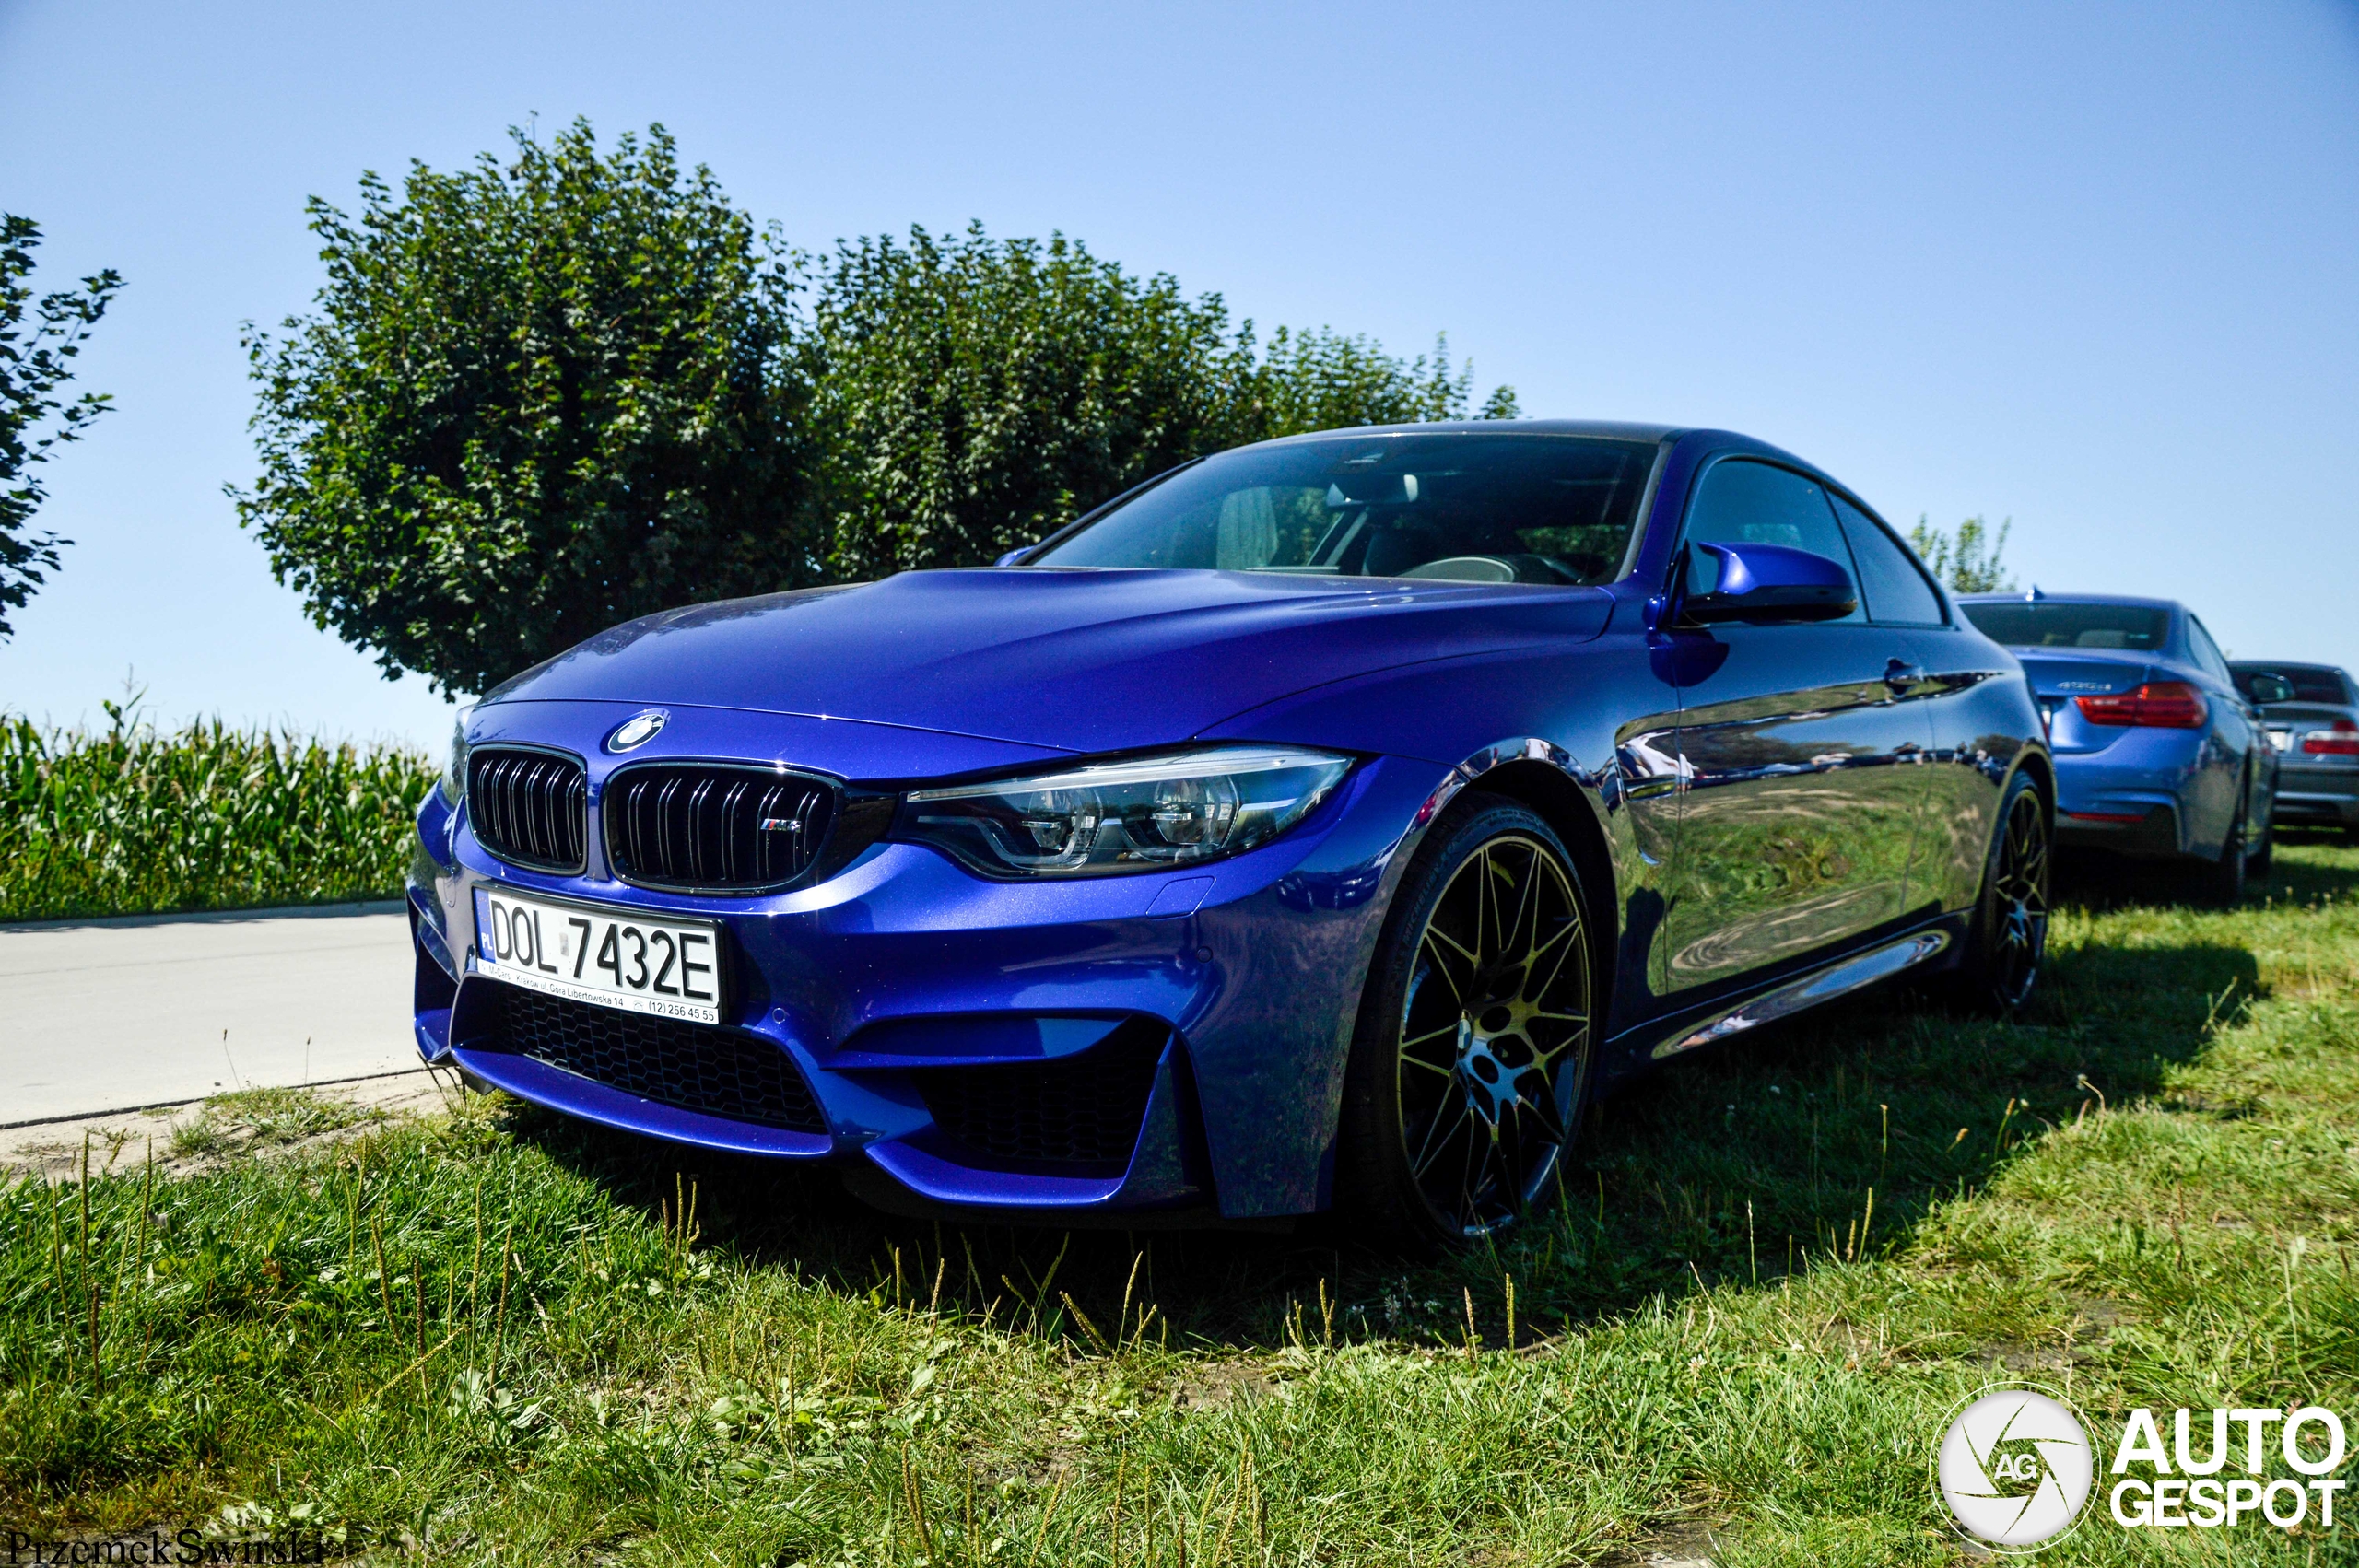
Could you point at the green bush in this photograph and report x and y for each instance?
(132, 820)
(537, 398)
(974, 395)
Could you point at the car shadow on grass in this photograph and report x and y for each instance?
(1830, 1137)
(2099, 881)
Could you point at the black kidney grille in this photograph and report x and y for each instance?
(528, 807)
(693, 1066)
(1082, 1110)
(707, 828)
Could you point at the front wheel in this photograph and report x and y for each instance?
(1472, 1047)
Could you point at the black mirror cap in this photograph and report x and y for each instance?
(1775, 605)
(1768, 584)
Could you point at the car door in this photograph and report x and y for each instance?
(1967, 721)
(1800, 799)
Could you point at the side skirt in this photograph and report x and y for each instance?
(1837, 979)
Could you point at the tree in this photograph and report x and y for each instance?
(537, 398)
(531, 401)
(1969, 563)
(977, 394)
(1323, 381)
(36, 363)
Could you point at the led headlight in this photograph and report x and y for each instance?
(454, 768)
(1147, 814)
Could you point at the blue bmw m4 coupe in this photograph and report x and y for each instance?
(1317, 825)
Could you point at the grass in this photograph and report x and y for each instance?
(133, 820)
(495, 1333)
(263, 1118)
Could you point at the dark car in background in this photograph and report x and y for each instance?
(2312, 715)
(2159, 753)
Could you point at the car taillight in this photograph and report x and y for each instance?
(2340, 740)
(2157, 704)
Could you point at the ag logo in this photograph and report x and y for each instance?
(2014, 1467)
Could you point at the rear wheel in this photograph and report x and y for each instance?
(2223, 880)
(1472, 1047)
(2008, 940)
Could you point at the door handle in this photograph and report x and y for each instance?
(1900, 676)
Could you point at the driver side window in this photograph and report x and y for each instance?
(1743, 502)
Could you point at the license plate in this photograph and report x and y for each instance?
(664, 967)
(2282, 739)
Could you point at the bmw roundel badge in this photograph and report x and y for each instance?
(636, 730)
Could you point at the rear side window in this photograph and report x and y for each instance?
(1753, 503)
(2051, 623)
(2207, 652)
(1896, 593)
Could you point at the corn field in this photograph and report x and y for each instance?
(133, 820)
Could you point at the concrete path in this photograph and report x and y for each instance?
(110, 1015)
(120, 1140)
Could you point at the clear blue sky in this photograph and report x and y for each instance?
(2090, 268)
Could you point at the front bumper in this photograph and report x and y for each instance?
(901, 984)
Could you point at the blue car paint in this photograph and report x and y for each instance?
(1570, 698)
(2199, 778)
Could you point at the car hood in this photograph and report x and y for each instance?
(1083, 661)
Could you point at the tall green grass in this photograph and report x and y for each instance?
(136, 820)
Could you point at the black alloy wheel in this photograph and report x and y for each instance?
(2019, 882)
(1474, 1045)
(2007, 943)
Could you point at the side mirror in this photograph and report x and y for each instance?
(1765, 584)
(1013, 557)
(2265, 689)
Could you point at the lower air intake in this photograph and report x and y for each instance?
(693, 1066)
(1081, 1112)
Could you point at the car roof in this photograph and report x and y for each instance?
(2286, 664)
(2047, 597)
(1609, 429)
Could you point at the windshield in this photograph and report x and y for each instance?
(1468, 508)
(2050, 624)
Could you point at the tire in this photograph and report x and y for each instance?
(2223, 880)
(1472, 1052)
(2007, 941)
